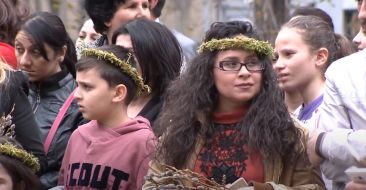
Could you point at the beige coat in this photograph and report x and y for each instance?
(295, 175)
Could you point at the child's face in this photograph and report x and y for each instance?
(236, 87)
(5, 179)
(94, 95)
(296, 63)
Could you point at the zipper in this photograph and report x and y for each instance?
(38, 98)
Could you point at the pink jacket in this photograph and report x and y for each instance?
(105, 158)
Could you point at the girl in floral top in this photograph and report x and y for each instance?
(225, 118)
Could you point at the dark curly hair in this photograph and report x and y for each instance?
(192, 98)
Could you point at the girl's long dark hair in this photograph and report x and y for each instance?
(192, 98)
(157, 51)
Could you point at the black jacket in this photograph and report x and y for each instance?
(152, 109)
(46, 98)
(27, 133)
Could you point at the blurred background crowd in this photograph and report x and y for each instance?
(193, 18)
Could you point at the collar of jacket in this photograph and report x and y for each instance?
(51, 83)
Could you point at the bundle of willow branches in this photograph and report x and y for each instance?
(7, 128)
(173, 178)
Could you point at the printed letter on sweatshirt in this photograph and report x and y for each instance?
(119, 176)
(102, 183)
(85, 174)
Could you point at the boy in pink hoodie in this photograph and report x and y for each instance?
(112, 151)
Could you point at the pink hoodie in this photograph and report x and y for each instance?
(108, 158)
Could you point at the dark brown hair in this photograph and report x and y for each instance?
(110, 73)
(192, 98)
(12, 15)
(318, 34)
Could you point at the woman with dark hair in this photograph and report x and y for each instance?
(225, 119)
(12, 15)
(159, 60)
(46, 54)
(109, 15)
(88, 37)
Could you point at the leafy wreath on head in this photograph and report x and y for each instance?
(237, 42)
(123, 65)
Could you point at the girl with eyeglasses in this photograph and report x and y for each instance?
(225, 119)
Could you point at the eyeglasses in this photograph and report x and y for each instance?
(251, 66)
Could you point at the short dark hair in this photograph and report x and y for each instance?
(156, 11)
(101, 12)
(312, 11)
(48, 28)
(110, 73)
(157, 51)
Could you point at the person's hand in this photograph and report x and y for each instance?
(314, 158)
(355, 186)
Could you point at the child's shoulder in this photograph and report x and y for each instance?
(144, 129)
(144, 124)
(143, 132)
(87, 126)
(84, 128)
(142, 121)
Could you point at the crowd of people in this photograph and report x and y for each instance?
(132, 104)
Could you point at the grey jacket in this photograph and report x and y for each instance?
(189, 48)
(46, 99)
(343, 116)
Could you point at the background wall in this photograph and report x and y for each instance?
(193, 17)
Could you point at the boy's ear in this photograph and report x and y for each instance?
(322, 57)
(120, 93)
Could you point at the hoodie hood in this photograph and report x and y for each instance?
(113, 158)
(92, 132)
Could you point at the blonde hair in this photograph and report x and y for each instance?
(3, 68)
